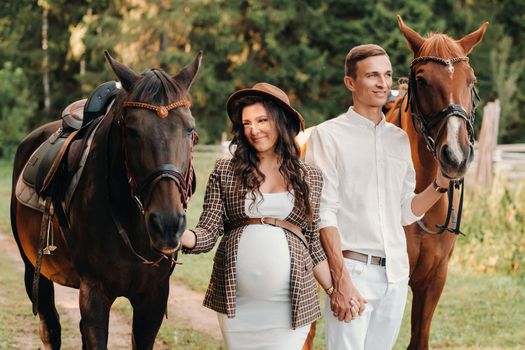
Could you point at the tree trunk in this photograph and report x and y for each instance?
(45, 60)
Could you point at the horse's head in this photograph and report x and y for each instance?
(157, 137)
(442, 96)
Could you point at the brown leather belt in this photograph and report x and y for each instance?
(374, 260)
(266, 220)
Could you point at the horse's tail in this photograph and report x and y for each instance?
(18, 165)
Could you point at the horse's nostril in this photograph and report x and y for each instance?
(445, 156)
(155, 222)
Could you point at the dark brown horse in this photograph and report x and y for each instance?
(108, 243)
(437, 114)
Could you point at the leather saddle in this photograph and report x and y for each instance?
(43, 165)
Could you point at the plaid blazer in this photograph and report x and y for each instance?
(224, 203)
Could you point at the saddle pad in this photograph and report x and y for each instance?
(28, 196)
(40, 162)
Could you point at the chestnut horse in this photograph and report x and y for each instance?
(108, 243)
(437, 113)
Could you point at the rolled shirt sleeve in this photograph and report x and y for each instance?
(409, 185)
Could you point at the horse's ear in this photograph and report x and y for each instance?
(187, 75)
(414, 39)
(470, 40)
(126, 76)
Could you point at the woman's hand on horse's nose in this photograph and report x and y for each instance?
(188, 239)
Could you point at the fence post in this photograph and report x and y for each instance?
(488, 139)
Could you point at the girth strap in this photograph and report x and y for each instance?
(44, 227)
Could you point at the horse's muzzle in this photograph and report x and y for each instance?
(165, 231)
(451, 165)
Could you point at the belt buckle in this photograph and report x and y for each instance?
(262, 220)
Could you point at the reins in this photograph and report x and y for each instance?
(424, 126)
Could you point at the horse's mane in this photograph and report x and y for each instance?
(440, 45)
(157, 87)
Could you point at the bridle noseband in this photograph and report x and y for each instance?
(425, 124)
(183, 181)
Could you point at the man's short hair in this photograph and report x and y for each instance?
(359, 53)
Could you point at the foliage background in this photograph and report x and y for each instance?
(298, 45)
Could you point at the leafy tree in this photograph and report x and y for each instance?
(16, 107)
(297, 45)
(506, 75)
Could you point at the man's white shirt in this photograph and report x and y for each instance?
(369, 183)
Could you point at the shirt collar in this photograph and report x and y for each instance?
(357, 119)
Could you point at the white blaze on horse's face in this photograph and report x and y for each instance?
(453, 142)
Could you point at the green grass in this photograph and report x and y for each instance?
(5, 192)
(178, 335)
(478, 309)
(196, 269)
(18, 326)
(17, 322)
(475, 311)
(15, 316)
(482, 306)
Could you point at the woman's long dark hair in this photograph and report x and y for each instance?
(246, 160)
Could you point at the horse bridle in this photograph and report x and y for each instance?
(183, 181)
(425, 124)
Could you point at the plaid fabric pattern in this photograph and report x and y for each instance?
(224, 203)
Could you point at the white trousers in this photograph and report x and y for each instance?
(378, 327)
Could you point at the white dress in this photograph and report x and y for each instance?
(263, 307)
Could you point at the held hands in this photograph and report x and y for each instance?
(346, 302)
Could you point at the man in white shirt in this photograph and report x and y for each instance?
(368, 195)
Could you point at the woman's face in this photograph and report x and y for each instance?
(259, 128)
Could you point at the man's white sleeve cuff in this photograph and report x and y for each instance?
(407, 216)
(327, 219)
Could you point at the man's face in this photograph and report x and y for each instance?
(372, 82)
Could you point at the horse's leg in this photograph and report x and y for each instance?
(148, 311)
(95, 305)
(426, 297)
(50, 330)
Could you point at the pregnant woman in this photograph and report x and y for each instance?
(264, 202)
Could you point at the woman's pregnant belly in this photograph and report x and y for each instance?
(263, 264)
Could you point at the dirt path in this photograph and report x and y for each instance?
(183, 304)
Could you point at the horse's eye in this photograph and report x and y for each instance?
(132, 132)
(421, 81)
